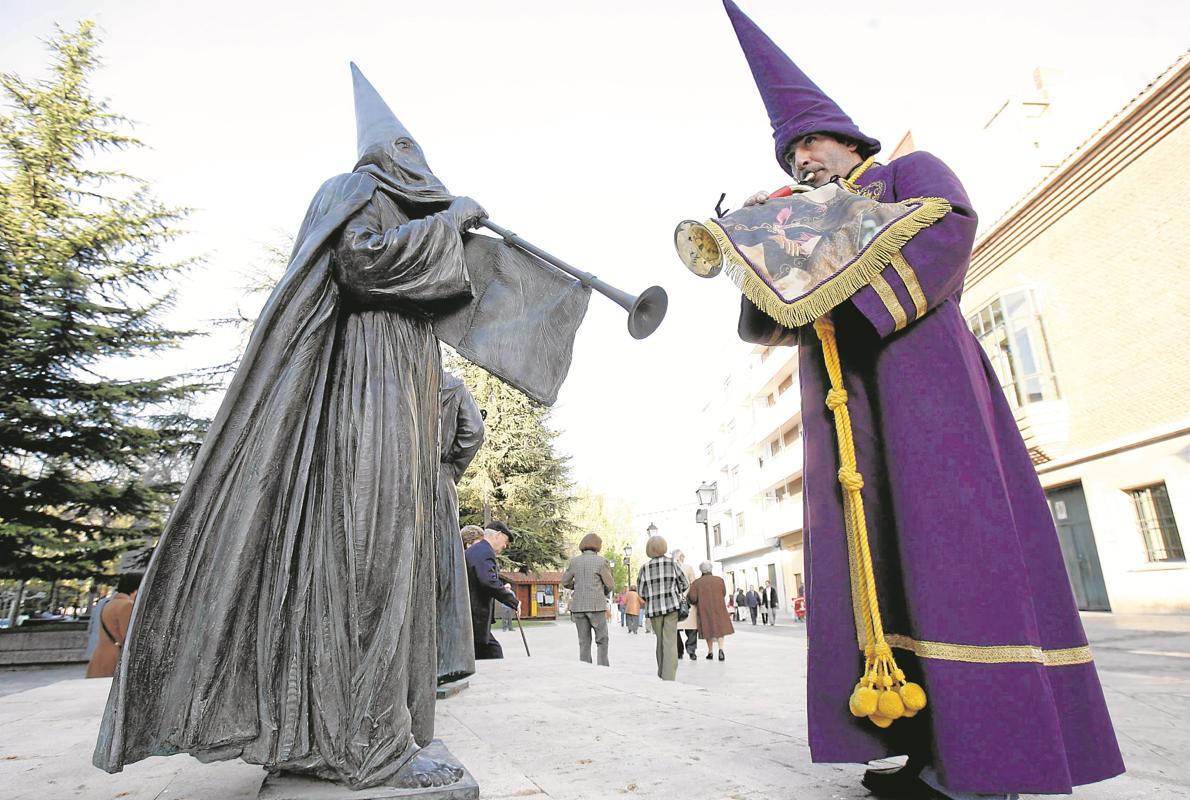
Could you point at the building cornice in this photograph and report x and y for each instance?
(1160, 109)
(1163, 433)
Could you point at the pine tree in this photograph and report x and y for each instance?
(517, 477)
(81, 271)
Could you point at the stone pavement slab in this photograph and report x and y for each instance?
(553, 727)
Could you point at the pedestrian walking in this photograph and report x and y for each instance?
(707, 595)
(633, 609)
(661, 583)
(620, 606)
(588, 575)
(769, 594)
(484, 586)
(752, 600)
(689, 626)
(740, 604)
(113, 627)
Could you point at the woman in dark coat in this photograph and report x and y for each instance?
(714, 623)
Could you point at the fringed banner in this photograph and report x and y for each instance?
(798, 257)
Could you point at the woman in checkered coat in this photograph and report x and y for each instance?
(661, 584)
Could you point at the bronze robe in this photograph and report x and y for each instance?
(287, 617)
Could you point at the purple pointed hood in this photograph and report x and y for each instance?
(795, 104)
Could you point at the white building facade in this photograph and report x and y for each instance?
(754, 460)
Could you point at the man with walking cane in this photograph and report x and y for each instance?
(483, 579)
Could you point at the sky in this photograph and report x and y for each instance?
(589, 128)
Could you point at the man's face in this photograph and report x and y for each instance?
(823, 155)
(498, 540)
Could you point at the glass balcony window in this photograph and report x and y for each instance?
(1010, 331)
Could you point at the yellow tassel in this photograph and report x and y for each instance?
(890, 705)
(864, 701)
(896, 697)
(913, 696)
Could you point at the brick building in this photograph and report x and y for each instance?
(1080, 294)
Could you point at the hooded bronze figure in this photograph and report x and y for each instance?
(288, 615)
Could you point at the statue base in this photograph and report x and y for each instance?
(300, 787)
(451, 689)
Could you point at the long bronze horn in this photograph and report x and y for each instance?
(645, 311)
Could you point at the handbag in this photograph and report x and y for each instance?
(683, 608)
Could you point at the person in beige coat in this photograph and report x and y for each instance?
(690, 624)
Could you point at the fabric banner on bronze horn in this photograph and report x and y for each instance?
(521, 323)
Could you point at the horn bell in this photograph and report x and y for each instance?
(647, 312)
(698, 249)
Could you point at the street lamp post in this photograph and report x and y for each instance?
(628, 561)
(707, 495)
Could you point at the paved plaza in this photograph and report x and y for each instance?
(552, 727)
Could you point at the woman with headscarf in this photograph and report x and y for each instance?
(714, 623)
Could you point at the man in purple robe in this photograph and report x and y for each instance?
(970, 582)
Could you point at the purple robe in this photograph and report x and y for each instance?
(972, 588)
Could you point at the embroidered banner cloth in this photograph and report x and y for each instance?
(798, 257)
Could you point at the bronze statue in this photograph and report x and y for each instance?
(460, 434)
(288, 615)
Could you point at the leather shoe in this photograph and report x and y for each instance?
(721, 656)
(899, 782)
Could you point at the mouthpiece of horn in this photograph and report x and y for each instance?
(809, 176)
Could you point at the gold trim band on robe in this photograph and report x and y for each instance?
(995, 654)
(909, 277)
(886, 294)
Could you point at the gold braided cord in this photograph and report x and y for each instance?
(909, 277)
(992, 654)
(882, 694)
(876, 256)
(850, 181)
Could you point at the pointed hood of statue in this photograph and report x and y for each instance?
(795, 104)
(387, 150)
